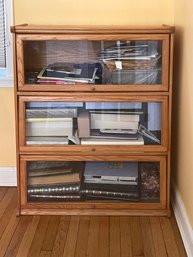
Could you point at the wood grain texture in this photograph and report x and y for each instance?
(8, 233)
(27, 239)
(170, 117)
(8, 212)
(71, 240)
(30, 28)
(149, 250)
(92, 88)
(6, 198)
(104, 240)
(93, 237)
(125, 235)
(169, 238)
(177, 237)
(82, 240)
(136, 237)
(115, 240)
(39, 236)
(18, 235)
(51, 232)
(79, 236)
(45, 254)
(61, 237)
(3, 191)
(157, 236)
(36, 46)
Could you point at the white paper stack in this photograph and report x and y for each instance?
(49, 127)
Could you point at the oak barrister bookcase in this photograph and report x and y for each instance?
(93, 119)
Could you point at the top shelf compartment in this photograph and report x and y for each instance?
(93, 62)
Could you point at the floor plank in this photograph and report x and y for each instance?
(169, 239)
(125, 233)
(177, 237)
(115, 245)
(136, 237)
(39, 237)
(10, 193)
(49, 239)
(14, 244)
(157, 235)
(9, 211)
(26, 242)
(45, 254)
(82, 240)
(3, 191)
(148, 248)
(70, 246)
(60, 240)
(8, 233)
(93, 237)
(104, 240)
(79, 236)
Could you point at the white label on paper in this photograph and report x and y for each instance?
(118, 65)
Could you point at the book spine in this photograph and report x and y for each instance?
(115, 117)
(49, 127)
(108, 193)
(107, 124)
(65, 189)
(56, 196)
(110, 182)
(46, 143)
(54, 179)
(52, 113)
(49, 119)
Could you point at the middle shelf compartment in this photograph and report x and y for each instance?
(93, 123)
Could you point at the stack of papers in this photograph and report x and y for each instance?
(128, 52)
(68, 73)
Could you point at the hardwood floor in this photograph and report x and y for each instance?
(84, 236)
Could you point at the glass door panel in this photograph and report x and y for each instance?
(125, 64)
(93, 123)
(98, 181)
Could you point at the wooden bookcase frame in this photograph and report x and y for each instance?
(29, 92)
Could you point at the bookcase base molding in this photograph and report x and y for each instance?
(95, 212)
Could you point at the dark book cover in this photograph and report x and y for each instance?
(79, 72)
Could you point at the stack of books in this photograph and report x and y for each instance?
(111, 181)
(114, 120)
(68, 73)
(113, 137)
(108, 127)
(49, 125)
(53, 181)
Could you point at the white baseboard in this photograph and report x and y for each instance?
(8, 176)
(184, 225)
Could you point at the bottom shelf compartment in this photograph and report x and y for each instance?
(94, 182)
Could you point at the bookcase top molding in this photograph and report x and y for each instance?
(114, 29)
